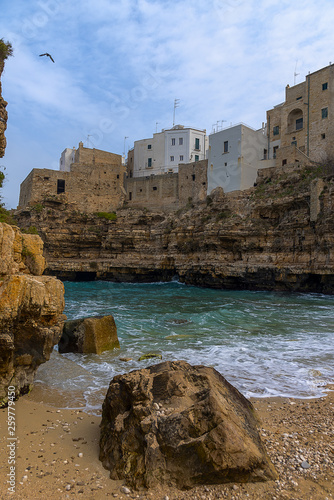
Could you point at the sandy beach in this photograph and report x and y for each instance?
(56, 453)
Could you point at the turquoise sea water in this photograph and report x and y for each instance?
(264, 343)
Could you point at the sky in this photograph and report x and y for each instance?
(120, 65)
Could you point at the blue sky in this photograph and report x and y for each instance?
(119, 65)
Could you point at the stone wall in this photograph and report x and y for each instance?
(91, 156)
(169, 191)
(87, 189)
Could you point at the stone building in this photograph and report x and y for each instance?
(166, 150)
(235, 155)
(301, 128)
(94, 183)
(171, 190)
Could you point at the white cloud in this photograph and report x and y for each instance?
(120, 65)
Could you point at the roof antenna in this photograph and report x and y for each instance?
(295, 73)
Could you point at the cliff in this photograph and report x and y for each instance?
(3, 114)
(275, 236)
(31, 308)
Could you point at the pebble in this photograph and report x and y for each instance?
(125, 490)
(156, 406)
(305, 465)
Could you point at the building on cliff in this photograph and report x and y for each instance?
(93, 182)
(301, 128)
(166, 150)
(235, 155)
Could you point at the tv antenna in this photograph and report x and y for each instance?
(156, 126)
(295, 73)
(125, 138)
(176, 105)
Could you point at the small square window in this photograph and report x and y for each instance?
(325, 86)
(299, 124)
(276, 130)
(172, 158)
(180, 141)
(181, 157)
(173, 141)
(154, 188)
(225, 164)
(324, 113)
(225, 146)
(323, 136)
(149, 146)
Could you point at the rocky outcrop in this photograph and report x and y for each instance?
(31, 309)
(262, 238)
(3, 116)
(89, 335)
(174, 423)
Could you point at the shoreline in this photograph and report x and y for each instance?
(57, 453)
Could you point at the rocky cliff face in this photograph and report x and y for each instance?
(31, 309)
(275, 236)
(3, 116)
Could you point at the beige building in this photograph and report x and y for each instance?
(94, 182)
(302, 126)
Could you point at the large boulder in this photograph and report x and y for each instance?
(31, 322)
(89, 335)
(182, 425)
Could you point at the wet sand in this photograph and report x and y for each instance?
(56, 453)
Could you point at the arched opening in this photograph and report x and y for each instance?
(295, 120)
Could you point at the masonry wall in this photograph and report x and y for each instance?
(91, 156)
(193, 182)
(154, 191)
(86, 188)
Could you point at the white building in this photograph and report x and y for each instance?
(234, 157)
(66, 158)
(165, 150)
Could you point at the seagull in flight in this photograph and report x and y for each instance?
(46, 54)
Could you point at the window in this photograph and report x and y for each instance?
(225, 164)
(324, 113)
(196, 158)
(275, 148)
(294, 143)
(193, 177)
(60, 186)
(181, 157)
(130, 196)
(284, 162)
(154, 188)
(299, 98)
(117, 176)
(149, 162)
(172, 158)
(325, 86)
(225, 146)
(180, 141)
(299, 123)
(173, 141)
(149, 146)
(323, 136)
(276, 130)
(196, 143)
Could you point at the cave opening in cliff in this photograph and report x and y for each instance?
(85, 276)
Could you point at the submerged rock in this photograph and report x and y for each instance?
(149, 356)
(174, 423)
(89, 335)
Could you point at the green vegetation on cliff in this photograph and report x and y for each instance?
(6, 49)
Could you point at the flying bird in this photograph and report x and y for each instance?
(46, 54)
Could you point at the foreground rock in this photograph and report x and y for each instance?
(89, 335)
(182, 425)
(31, 307)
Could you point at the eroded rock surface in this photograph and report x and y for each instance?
(182, 425)
(89, 335)
(31, 307)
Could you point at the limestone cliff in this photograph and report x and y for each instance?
(31, 309)
(275, 236)
(3, 115)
